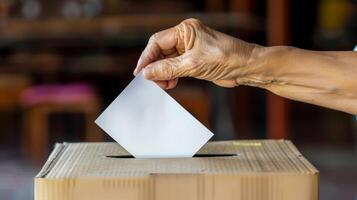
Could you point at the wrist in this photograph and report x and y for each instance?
(263, 66)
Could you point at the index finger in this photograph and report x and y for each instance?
(160, 44)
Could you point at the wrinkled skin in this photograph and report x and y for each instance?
(194, 50)
(325, 78)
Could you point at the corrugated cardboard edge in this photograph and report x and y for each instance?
(52, 160)
(196, 186)
(307, 164)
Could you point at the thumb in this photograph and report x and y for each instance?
(165, 69)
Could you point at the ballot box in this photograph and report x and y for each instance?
(226, 170)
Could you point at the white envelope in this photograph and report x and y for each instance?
(149, 123)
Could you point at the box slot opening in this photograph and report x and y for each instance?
(195, 156)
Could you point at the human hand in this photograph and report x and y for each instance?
(192, 49)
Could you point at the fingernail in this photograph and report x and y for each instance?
(148, 73)
(136, 68)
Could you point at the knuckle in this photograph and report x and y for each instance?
(190, 60)
(166, 70)
(150, 54)
(187, 62)
(193, 22)
(153, 37)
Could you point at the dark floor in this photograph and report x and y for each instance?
(338, 167)
(16, 176)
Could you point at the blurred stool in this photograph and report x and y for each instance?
(41, 101)
(11, 87)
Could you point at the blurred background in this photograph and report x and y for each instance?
(62, 62)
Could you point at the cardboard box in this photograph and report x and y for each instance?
(239, 170)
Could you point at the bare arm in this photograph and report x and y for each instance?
(327, 79)
(192, 49)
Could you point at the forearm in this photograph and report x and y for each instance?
(327, 79)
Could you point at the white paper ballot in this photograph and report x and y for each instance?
(149, 123)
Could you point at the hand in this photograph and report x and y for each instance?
(192, 49)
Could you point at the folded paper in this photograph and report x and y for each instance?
(149, 123)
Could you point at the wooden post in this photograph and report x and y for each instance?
(244, 6)
(242, 94)
(215, 5)
(4, 9)
(277, 34)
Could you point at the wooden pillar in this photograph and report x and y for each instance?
(242, 106)
(244, 6)
(215, 5)
(278, 21)
(4, 9)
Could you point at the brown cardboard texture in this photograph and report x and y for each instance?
(239, 170)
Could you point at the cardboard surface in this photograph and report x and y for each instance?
(247, 170)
